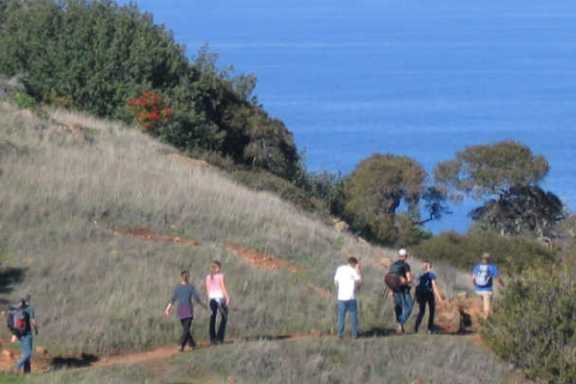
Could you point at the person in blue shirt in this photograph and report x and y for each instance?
(483, 276)
(427, 293)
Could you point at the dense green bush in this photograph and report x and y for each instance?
(94, 55)
(534, 324)
(512, 254)
(382, 198)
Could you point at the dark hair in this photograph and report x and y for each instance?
(216, 262)
(184, 273)
(352, 261)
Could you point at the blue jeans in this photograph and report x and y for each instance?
(347, 306)
(24, 361)
(402, 305)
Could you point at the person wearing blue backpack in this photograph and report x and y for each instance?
(427, 293)
(483, 276)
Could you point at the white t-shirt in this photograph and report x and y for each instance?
(345, 279)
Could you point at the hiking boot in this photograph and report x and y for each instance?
(400, 330)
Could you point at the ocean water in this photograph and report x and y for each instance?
(412, 77)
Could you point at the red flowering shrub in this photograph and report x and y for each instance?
(150, 110)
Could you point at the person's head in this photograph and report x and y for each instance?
(24, 301)
(486, 257)
(185, 276)
(427, 266)
(353, 261)
(215, 267)
(402, 254)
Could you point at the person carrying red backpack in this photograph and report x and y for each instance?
(21, 322)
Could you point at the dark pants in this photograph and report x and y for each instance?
(218, 306)
(186, 337)
(424, 298)
(402, 304)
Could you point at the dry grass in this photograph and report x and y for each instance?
(402, 360)
(69, 181)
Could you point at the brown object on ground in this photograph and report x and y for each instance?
(261, 260)
(195, 163)
(147, 234)
(41, 350)
(459, 315)
(8, 358)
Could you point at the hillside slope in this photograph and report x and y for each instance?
(97, 220)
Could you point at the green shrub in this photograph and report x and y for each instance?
(512, 254)
(534, 324)
(24, 101)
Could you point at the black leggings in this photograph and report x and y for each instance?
(186, 337)
(218, 306)
(424, 298)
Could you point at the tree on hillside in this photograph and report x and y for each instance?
(506, 174)
(95, 55)
(377, 189)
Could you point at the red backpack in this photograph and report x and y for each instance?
(17, 320)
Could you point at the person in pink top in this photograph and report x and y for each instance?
(219, 301)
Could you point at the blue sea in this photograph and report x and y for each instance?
(411, 77)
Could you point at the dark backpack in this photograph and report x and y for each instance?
(393, 281)
(424, 286)
(393, 278)
(17, 321)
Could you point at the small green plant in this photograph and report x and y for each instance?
(24, 100)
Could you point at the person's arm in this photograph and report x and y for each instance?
(437, 292)
(33, 321)
(170, 305)
(359, 275)
(197, 298)
(408, 277)
(224, 291)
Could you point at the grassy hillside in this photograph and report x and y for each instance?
(97, 220)
(402, 360)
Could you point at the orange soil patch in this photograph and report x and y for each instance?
(9, 354)
(322, 292)
(138, 357)
(261, 260)
(195, 163)
(146, 234)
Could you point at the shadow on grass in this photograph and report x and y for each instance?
(9, 277)
(84, 360)
(267, 338)
(377, 332)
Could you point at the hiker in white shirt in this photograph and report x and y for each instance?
(347, 279)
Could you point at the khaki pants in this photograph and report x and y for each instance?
(486, 301)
